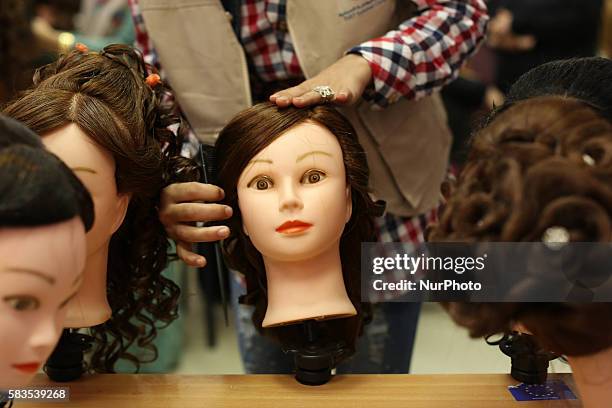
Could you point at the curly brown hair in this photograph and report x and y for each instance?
(543, 162)
(105, 94)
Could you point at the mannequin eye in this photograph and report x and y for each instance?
(313, 176)
(22, 303)
(261, 183)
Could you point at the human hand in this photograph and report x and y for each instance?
(181, 205)
(502, 37)
(347, 77)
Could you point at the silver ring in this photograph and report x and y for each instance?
(327, 94)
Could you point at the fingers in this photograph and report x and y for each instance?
(194, 212)
(192, 191)
(184, 251)
(285, 98)
(308, 98)
(190, 233)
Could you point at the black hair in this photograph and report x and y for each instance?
(586, 79)
(36, 187)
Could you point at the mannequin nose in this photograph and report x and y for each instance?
(45, 335)
(289, 199)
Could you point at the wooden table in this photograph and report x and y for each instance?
(269, 391)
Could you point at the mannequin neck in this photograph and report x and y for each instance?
(90, 307)
(593, 377)
(308, 289)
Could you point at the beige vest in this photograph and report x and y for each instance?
(407, 143)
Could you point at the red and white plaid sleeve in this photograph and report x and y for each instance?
(145, 45)
(143, 41)
(426, 51)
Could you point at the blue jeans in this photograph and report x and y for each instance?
(384, 348)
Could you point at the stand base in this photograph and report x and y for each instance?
(67, 362)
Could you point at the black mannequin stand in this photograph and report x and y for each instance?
(529, 361)
(67, 362)
(317, 356)
(5, 401)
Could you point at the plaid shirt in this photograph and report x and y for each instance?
(418, 58)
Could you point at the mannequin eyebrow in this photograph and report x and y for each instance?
(261, 161)
(49, 279)
(303, 156)
(85, 169)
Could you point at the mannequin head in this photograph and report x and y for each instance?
(542, 163)
(297, 180)
(44, 212)
(95, 111)
(300, 174)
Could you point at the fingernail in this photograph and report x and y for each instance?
(223, 232)
(229, 211)
(221, 194)
(298, 99)
(198, 261)
(282, 99)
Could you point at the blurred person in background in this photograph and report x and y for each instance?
(527, 33)
(277, 44)
(19, 49)
(96, 23)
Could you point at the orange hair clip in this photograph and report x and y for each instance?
(80, 47)
(152, 80)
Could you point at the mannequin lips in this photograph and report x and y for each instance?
(28, 368)
(293, 227)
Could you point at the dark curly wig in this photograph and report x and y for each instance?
(246, 135)
(105, 94)
(542, 162)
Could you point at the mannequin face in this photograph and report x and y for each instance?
(95, 167)
(40, 271)
(293, 195)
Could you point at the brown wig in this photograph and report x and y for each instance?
(105, 94)
(544, 162)
(249, 133)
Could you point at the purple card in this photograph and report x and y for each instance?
(550, 390)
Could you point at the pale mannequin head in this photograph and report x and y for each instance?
(40, 272)
(44, 213)
(295, 202)
(304, 167)
(95, 167)
(298, 177)
(97, 112)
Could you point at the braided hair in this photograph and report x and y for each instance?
(543, 162)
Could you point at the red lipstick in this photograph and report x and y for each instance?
(28, 368)
(293, 227)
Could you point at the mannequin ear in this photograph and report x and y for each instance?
(123, 200)
(349, 204)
